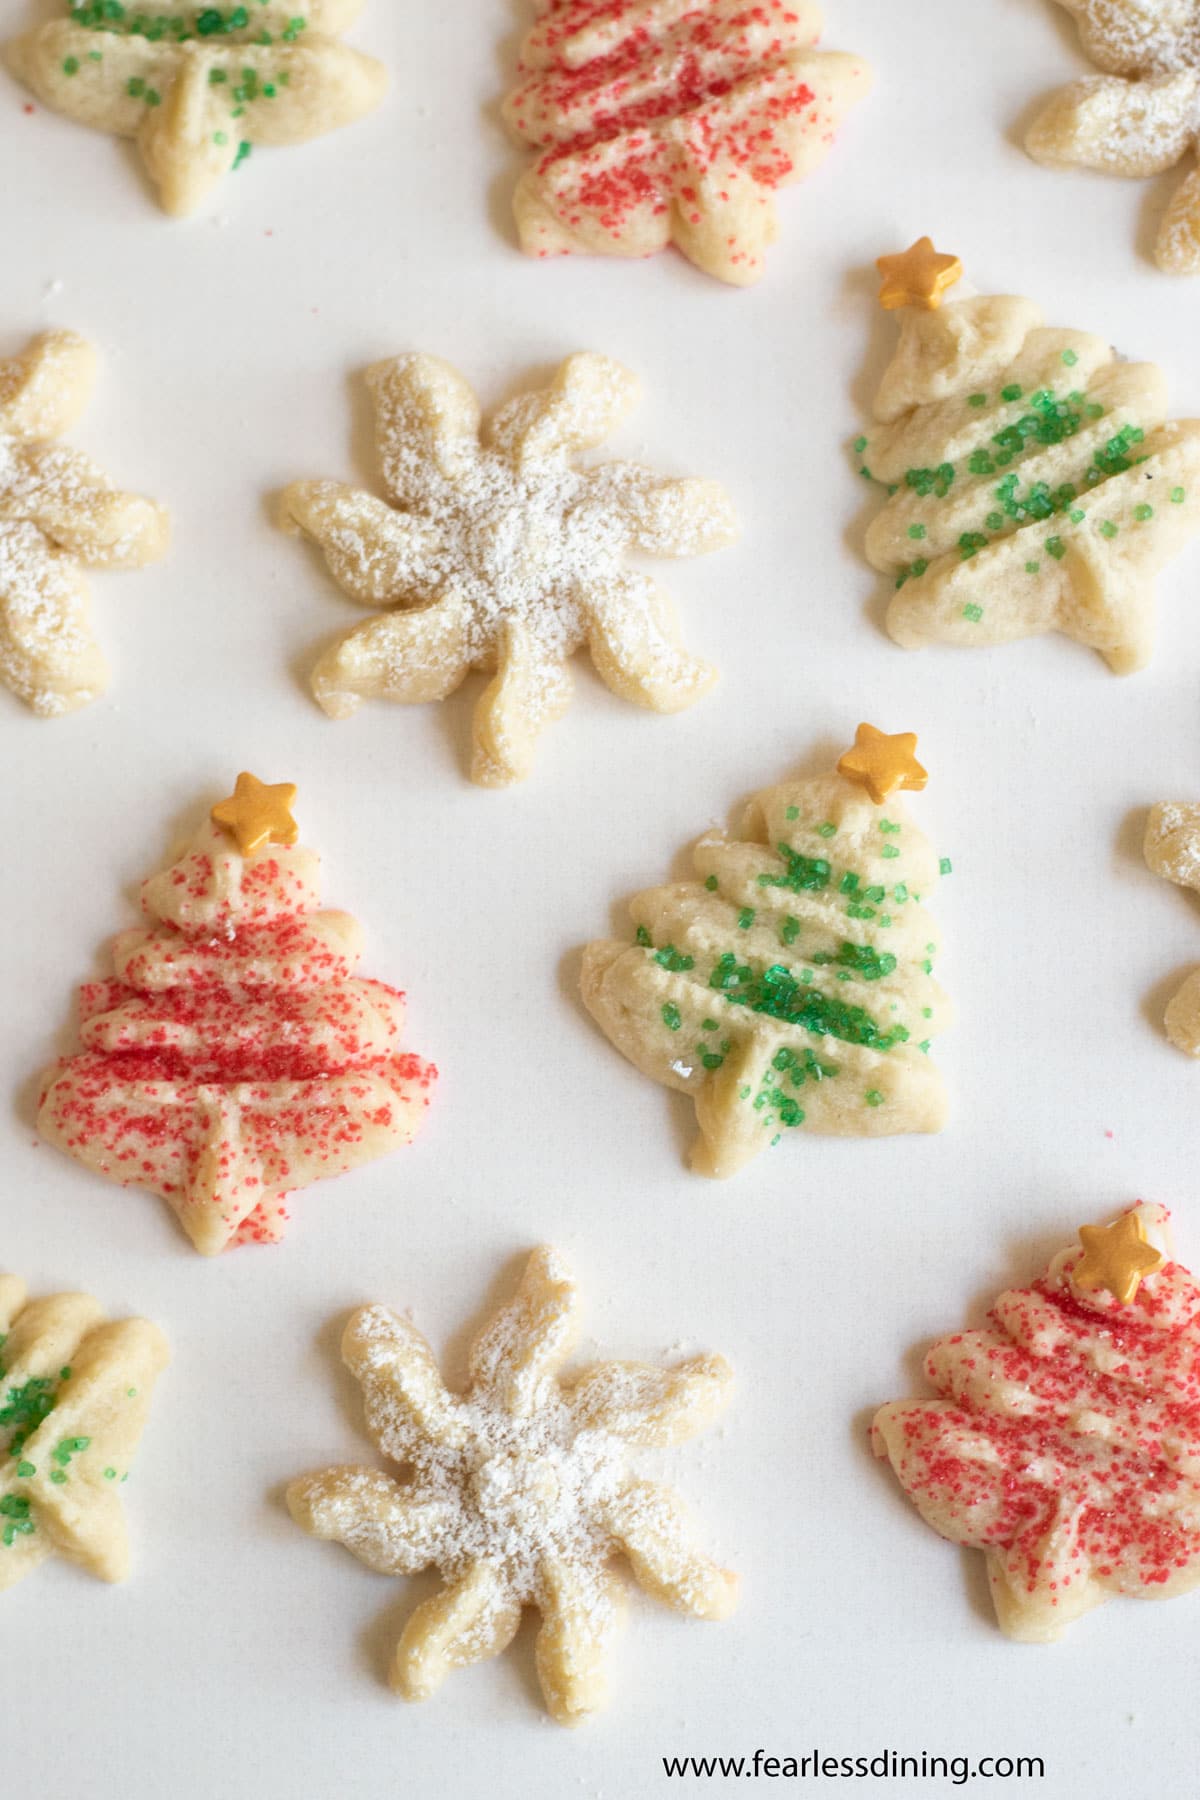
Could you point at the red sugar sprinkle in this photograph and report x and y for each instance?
(235, 1055)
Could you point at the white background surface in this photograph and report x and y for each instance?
(242, 1659)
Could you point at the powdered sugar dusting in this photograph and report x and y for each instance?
(519, 1490)
(506, 554)
(58, 513)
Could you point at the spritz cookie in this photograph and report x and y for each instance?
(1034, 481)
(1063, 1442)
(519, 1492)
(75, 1392)
(1141, 116)
(659, 123)
(233, 1056)
(197, 87)
(59, 514)
(789, 985)
(499, 553)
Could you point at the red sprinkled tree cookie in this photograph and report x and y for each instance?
(673, 121)
(234, 1056)
(1065, 1442)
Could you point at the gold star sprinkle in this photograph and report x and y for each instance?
(1116, 1257)
(256, 814)
(882, 763)
(918, 276)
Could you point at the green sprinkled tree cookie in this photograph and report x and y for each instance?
(790, 984)
(1034, 482)
(197, 86)
(75, 1393)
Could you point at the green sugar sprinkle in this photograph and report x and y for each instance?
(70, 65)
(946, 866)
(888, 825)
(873, 1097)
(860, 444)
(710, 882)
(670, 1016)
(1178, 495)
(789, 931)
(669, 958)
(976, 399)
(1107, 528)
(1031, 568)
(792, 812)
(58, 1477)
(642, 937)
(889, 850)
(709, 1025)
(1056, 548)
(776, 993)
(1011, 392)
(916, 531)
(26, 1469)
(972, 612)
(746, 916)
(1070, 358)
(1143, 512)
(110, 1474)
(848, 884)
(827, 830)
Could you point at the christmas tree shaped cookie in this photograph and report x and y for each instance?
(75, 1394)
(790, 985)
(234, 1056)
(1035, 483)
(198, 86)
(519, 1492)
(1172, 850)
(498, 553)
(59, 514)
(657, 123)
(1065, 1442)
(1141, 116)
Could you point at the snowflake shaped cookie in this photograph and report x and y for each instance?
(59, 513)
(198, 86)
(499, 554)
(1172, 850)
(1142, 116)
(75, 1393)
(519, 1492)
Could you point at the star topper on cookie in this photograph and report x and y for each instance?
(258, 813)
(1116, 1258)
(881, 762)
(918, 276)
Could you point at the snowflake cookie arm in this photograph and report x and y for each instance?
(1134, 37)
(531, 689)
(406, 1401)
(406, 656)
(49, 657)
(644, 1404)
(656, 1531)
(582, 1612)
(1172, 850)
(379, 556)
(472, 1619)
(75, 504)
(633, 641)
(44, 390)
(588, 398)
(427, 422)
(1134, 128)
(516, 1357)
(374, 1517)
